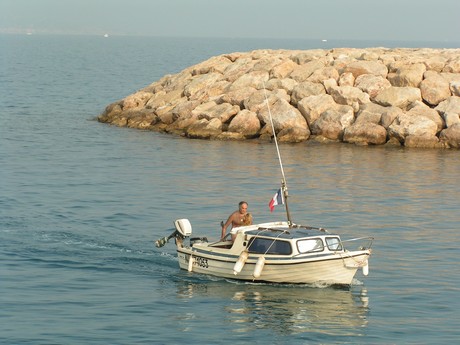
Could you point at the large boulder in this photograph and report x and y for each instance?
(400, 97)
(284, 116)
(365, 133)
(349, 95)
(313, 106)
(204, 129)
(406, 125)
(301, 73)
(358, 68)
(306, 89)
(245, 122)
(371, 84)
(407, 75)
(332, 123)
(435, 89)
(451, 136)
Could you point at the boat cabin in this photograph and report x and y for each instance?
(280, 239)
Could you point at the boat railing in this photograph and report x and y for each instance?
(363, 242)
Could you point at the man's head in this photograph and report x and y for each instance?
(243, 207)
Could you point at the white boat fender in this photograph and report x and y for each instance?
(240, 262)
(190, 263)
(366, 268)
(259, 267)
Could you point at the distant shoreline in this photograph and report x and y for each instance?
(328, 43)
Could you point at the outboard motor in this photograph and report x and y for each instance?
(183, 227)
(183, 230)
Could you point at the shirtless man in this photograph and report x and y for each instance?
(238, 218)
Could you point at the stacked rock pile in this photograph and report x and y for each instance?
(372, 96)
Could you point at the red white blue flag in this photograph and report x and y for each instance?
(276, 200)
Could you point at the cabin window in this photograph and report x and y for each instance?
(259, 245)
(311, 245)
(333, 243)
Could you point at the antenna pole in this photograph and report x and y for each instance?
(284, 188)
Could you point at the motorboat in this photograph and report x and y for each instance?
(274, 252)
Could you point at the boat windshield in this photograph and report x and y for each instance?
(310, 245)
(259, 245)
(333, 243)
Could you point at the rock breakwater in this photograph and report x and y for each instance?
(372, 96)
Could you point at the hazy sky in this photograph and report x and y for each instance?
(415, 20)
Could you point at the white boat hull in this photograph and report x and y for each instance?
(336, 269)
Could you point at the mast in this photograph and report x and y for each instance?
(284, 188)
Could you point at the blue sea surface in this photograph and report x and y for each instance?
(81, 204)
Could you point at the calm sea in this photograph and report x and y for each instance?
(82, 202)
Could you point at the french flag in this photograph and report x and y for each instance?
(276, 200)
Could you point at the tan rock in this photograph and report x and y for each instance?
(204, 129)
(408, 75)
(241, 66)
(176, 82)
(255, 80)
(286, 84)
(426, 142)
(453, 65)
(258, 99)
(181, 124)
(435, 63)
(322, 74)
(371, 84)
(400, 97)
(163, 98)
(283, 70)
(435, 89)
(370, 113)
(312, 107)
(329, 83)
(419, 110)
(454, 87)
(450, 105)
(366, 67)
(349, 95)
(451, 119)
(215, 64)
(389, 115)
(267, 63)
(245, 122)
(332, 122)
(408, 125)
(214, 92)
(284, 116)
(136, 100)
(293, 135)
(306, 89)
(365, 133)
(223, 112)
(237, 97)
(346, 79)
(165, 114)
(303, 72)
(451, 136)
(305, 57)
(184, 109)
(200, 82)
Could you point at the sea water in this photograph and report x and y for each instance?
(81, 204)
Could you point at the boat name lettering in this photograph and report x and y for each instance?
(202, 262)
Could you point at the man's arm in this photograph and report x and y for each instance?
(227, 223)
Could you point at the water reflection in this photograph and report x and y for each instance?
(285, 309)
